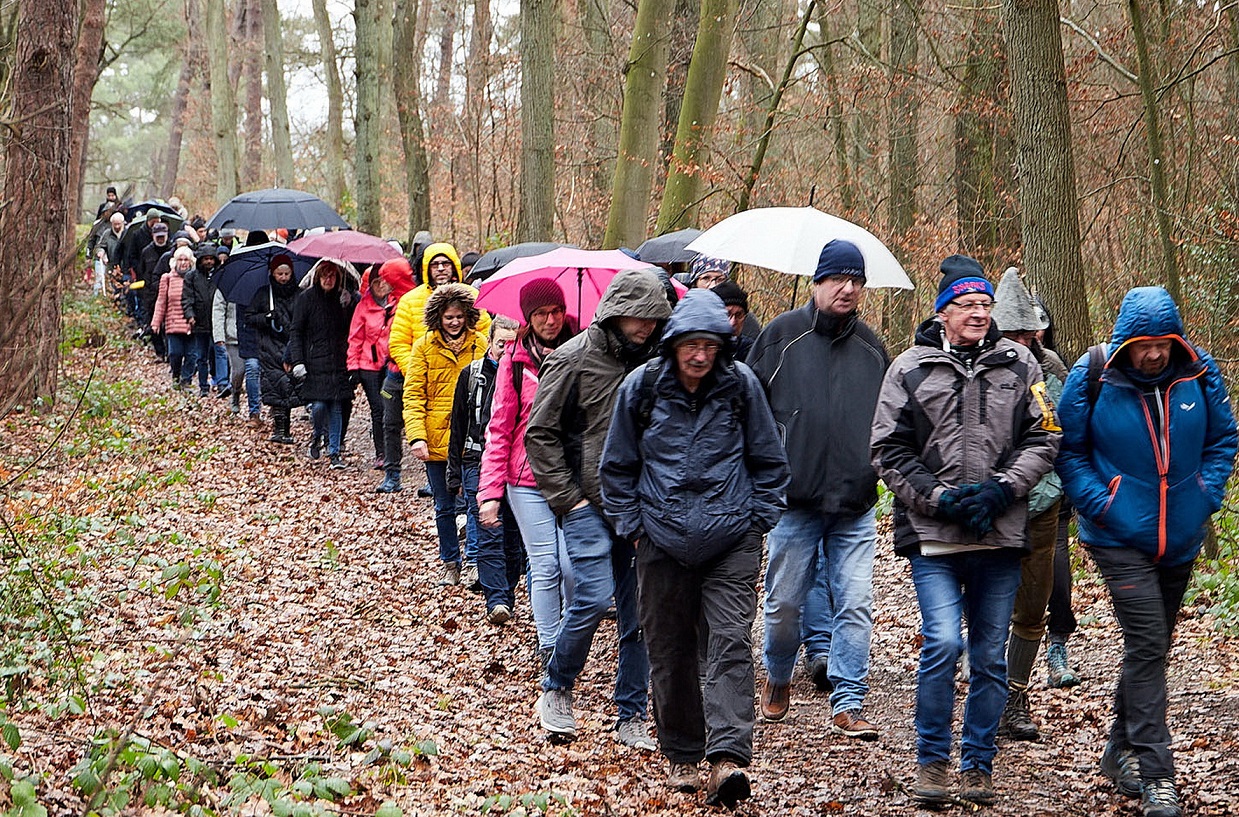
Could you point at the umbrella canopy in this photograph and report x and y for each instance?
(582, 274)
(790, 239)
(346, 245)
(173, 220)
(670, 248)
(275, 208)
(490, 262)
(246, 270)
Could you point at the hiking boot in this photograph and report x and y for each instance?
(389, 485)
(853, 724)
(499, 614)
(450, 577)
(977, 787)
(1158, 798)
(337, 463)
(424, 492)
(932, 783)
(684, 777)
(818, 669)
(469, 576)
(635, 732)
(316, 447)
(776, 699)
(728, 784)
(235, 408)
(1123, 767)
(1015, 722)
(1061, 674)
(555, 715)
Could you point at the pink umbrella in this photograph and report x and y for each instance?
(347, 245)
(582, 274)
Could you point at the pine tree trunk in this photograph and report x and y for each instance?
(636, 158)
(706, 73)
(535, 220)
(36, 181)
(367, 124)
(1049, 223)
(85, 74)
(333, 166)
(223, 105)
(407, 70)
(277, 96)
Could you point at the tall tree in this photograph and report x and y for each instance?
(277, 96)
(223, 105)
(535, 220)
(1049, 223)
(828, 65)
(704, 86)
(904, 173)
(333, 166)
(247, 38)
(477, 75)
(191, 66)
(644, 80)
(85, 74)
(367, 122)
(408, 111)
(36, 181)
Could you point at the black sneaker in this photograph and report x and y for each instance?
(1123, 767)
(1158, 798)
(316, 447)
(337, 463)
(818, 669)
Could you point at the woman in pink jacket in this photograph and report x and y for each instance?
(169, 318)
(505, 467)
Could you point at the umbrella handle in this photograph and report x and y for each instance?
(580, 284)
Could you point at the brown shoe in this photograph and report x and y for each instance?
(728, 784)
(684, 777)
(977, 787)
(776, 699)
(853, 724)
(933, 782)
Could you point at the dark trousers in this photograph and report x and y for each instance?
(717, 721)
(500, 551)
(1036, 578)
(1146, 597)
(1062, 622)
(393, 422)
(371, 386)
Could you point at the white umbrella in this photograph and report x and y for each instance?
(790, 239)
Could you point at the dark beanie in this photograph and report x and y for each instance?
(538, 293)
(839, 257)
(960, 276)
(732, 294)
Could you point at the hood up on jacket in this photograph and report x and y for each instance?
(699, 311)
(634, 293)
(399, 274)
(443, 297)
(350, 281)
(1014, 307)
(1146, 313)
(440, 248)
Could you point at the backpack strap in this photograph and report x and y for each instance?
(1096, 363)
(645, 405)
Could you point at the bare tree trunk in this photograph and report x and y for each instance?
(598, 90)
(706, 73)
(477, 75)
(1050, 226)
(684, 22)
(441, 114)
(277, 96)
(408, 110)
(223, 106)
(762, 31)
(248, 37)
(645, 75)
(535, 220)
(36, 184)
(828, 65)
(333, 168)
(85, 74)
(1153, 137)
(367, 124)
(902, 144)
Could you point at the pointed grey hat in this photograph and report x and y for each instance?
(1014, 308)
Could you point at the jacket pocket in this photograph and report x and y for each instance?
(1188, 508)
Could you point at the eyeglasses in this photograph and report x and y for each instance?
(973, 306)
(694, 347)
(435, 264)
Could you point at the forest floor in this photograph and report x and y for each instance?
(247, 609)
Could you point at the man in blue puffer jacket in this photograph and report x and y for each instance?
(1146, 462)
(693, 473)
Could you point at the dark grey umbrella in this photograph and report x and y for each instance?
(669, 248)
(275, 208)
(493, 260)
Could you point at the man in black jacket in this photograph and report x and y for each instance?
(822, 369)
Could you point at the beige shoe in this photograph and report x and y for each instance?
(451, 574)
(684, 777)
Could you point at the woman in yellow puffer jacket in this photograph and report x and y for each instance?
(451, 342)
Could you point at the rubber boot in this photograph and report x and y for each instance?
(278, 415)
(1016, 722)
(287, 428)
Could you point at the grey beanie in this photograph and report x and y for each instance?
(1014, 308)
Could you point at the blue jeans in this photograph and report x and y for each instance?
(977, 586)
(179, 357)
(496, 551)
(221, 365)
(603, 567)
(793, 546)
(445, 511)
(550, 571)
(816, 615)
(253, 385)
(200, 354)
(328, 422)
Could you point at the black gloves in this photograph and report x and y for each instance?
(950, 504)
(986, 503)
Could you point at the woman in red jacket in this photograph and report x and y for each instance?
(382, 288)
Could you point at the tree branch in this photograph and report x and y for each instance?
(1101, 52)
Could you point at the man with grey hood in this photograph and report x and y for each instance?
(693, 474)
(568, 425)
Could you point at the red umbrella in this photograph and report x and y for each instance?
(347, 245)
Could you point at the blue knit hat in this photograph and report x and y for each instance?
(960, 276)
(839, 257)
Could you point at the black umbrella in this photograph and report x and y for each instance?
(247, 270)
(172, 219)
(275, 208)
(493, 260)
(669, 248)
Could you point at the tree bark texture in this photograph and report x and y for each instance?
(904, 172)
(684, 24)
(333, 166)
(85, 74)
(277, 95)
(247, 40)
(442, 113)
(824, 55)
(176, 118)
(223, 105)
(367, 122)
(535, 219)
(682, 195)
(36, 183)
(637, 155)
(407, 70)
(1049, 215)
(477, 77)
(598, 92)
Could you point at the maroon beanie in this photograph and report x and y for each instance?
(538, 293)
